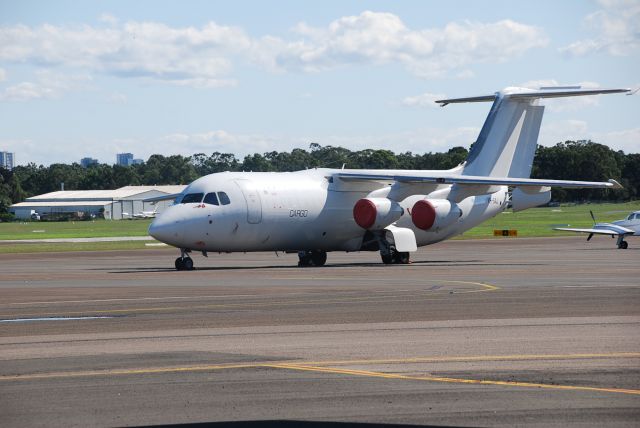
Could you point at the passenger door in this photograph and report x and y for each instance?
(252, 197)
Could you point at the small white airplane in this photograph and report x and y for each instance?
(630, 226)
(315, 211)
(146, 214)
(141, 214)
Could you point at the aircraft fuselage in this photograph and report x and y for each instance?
(293, 211)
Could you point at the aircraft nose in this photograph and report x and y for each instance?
(166, 229)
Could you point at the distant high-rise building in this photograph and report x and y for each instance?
(85, 162)
(7, 160)
(137, 162)
(124, 159)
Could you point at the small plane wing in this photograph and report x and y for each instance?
(477, 180)
(618, 230)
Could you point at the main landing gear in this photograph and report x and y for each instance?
(395, 257)
(184, 262)
(388, 252)
(312, 258)
(623, 245)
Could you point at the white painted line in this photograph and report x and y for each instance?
(54, 319)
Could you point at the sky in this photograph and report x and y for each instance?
(92, 79)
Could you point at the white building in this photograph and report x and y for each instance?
(126, 202)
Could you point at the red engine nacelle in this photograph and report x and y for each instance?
(376, 213)
(434, 214)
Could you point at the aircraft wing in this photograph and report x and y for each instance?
(476, 180)
(599, 231)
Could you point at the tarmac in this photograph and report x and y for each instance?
(514, 331)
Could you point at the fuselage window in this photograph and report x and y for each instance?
(192, 198)
(211, 199)
(224, 199)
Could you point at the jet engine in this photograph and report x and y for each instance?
(376, 213)
(528, 197)
(434, 214)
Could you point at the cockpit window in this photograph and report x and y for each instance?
(211, 199)
(224, 199)
(192, 198)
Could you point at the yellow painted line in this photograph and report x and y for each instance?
(365, 373)
(317, 367)
(428, 296)
(472, 358)
(485, 287)
(139, 371)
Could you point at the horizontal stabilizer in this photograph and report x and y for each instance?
(524, 93)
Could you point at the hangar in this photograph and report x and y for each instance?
(123, 203)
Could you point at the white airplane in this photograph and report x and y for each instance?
(316, 211)
(146, 214)
(141, 214)
(630, 226)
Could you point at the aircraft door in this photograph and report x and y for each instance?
(252, 197)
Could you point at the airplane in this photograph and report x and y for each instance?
(146, 214)
(141, 214)
(321, 210)
(629, 226)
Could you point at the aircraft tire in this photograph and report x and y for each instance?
(318, 258)
(387, 259)
(401, 258)
(179, 264)
(187, 262)
(624, 245)
(304, 259)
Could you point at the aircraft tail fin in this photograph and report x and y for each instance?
(507, 142)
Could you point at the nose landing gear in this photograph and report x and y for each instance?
(184, 262)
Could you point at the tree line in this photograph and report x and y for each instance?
(571, 160)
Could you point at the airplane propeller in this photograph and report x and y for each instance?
(594, 223)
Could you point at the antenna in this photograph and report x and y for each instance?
(592, 217)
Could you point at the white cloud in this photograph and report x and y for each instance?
(3, 75)
(615, 29)
(108, 18)
(423, 100)
(627, 140)
(223, 141)
(47, 85)
(185, 56)
(417, 141)
(374, 38)
(203, 57)
(118, 98)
